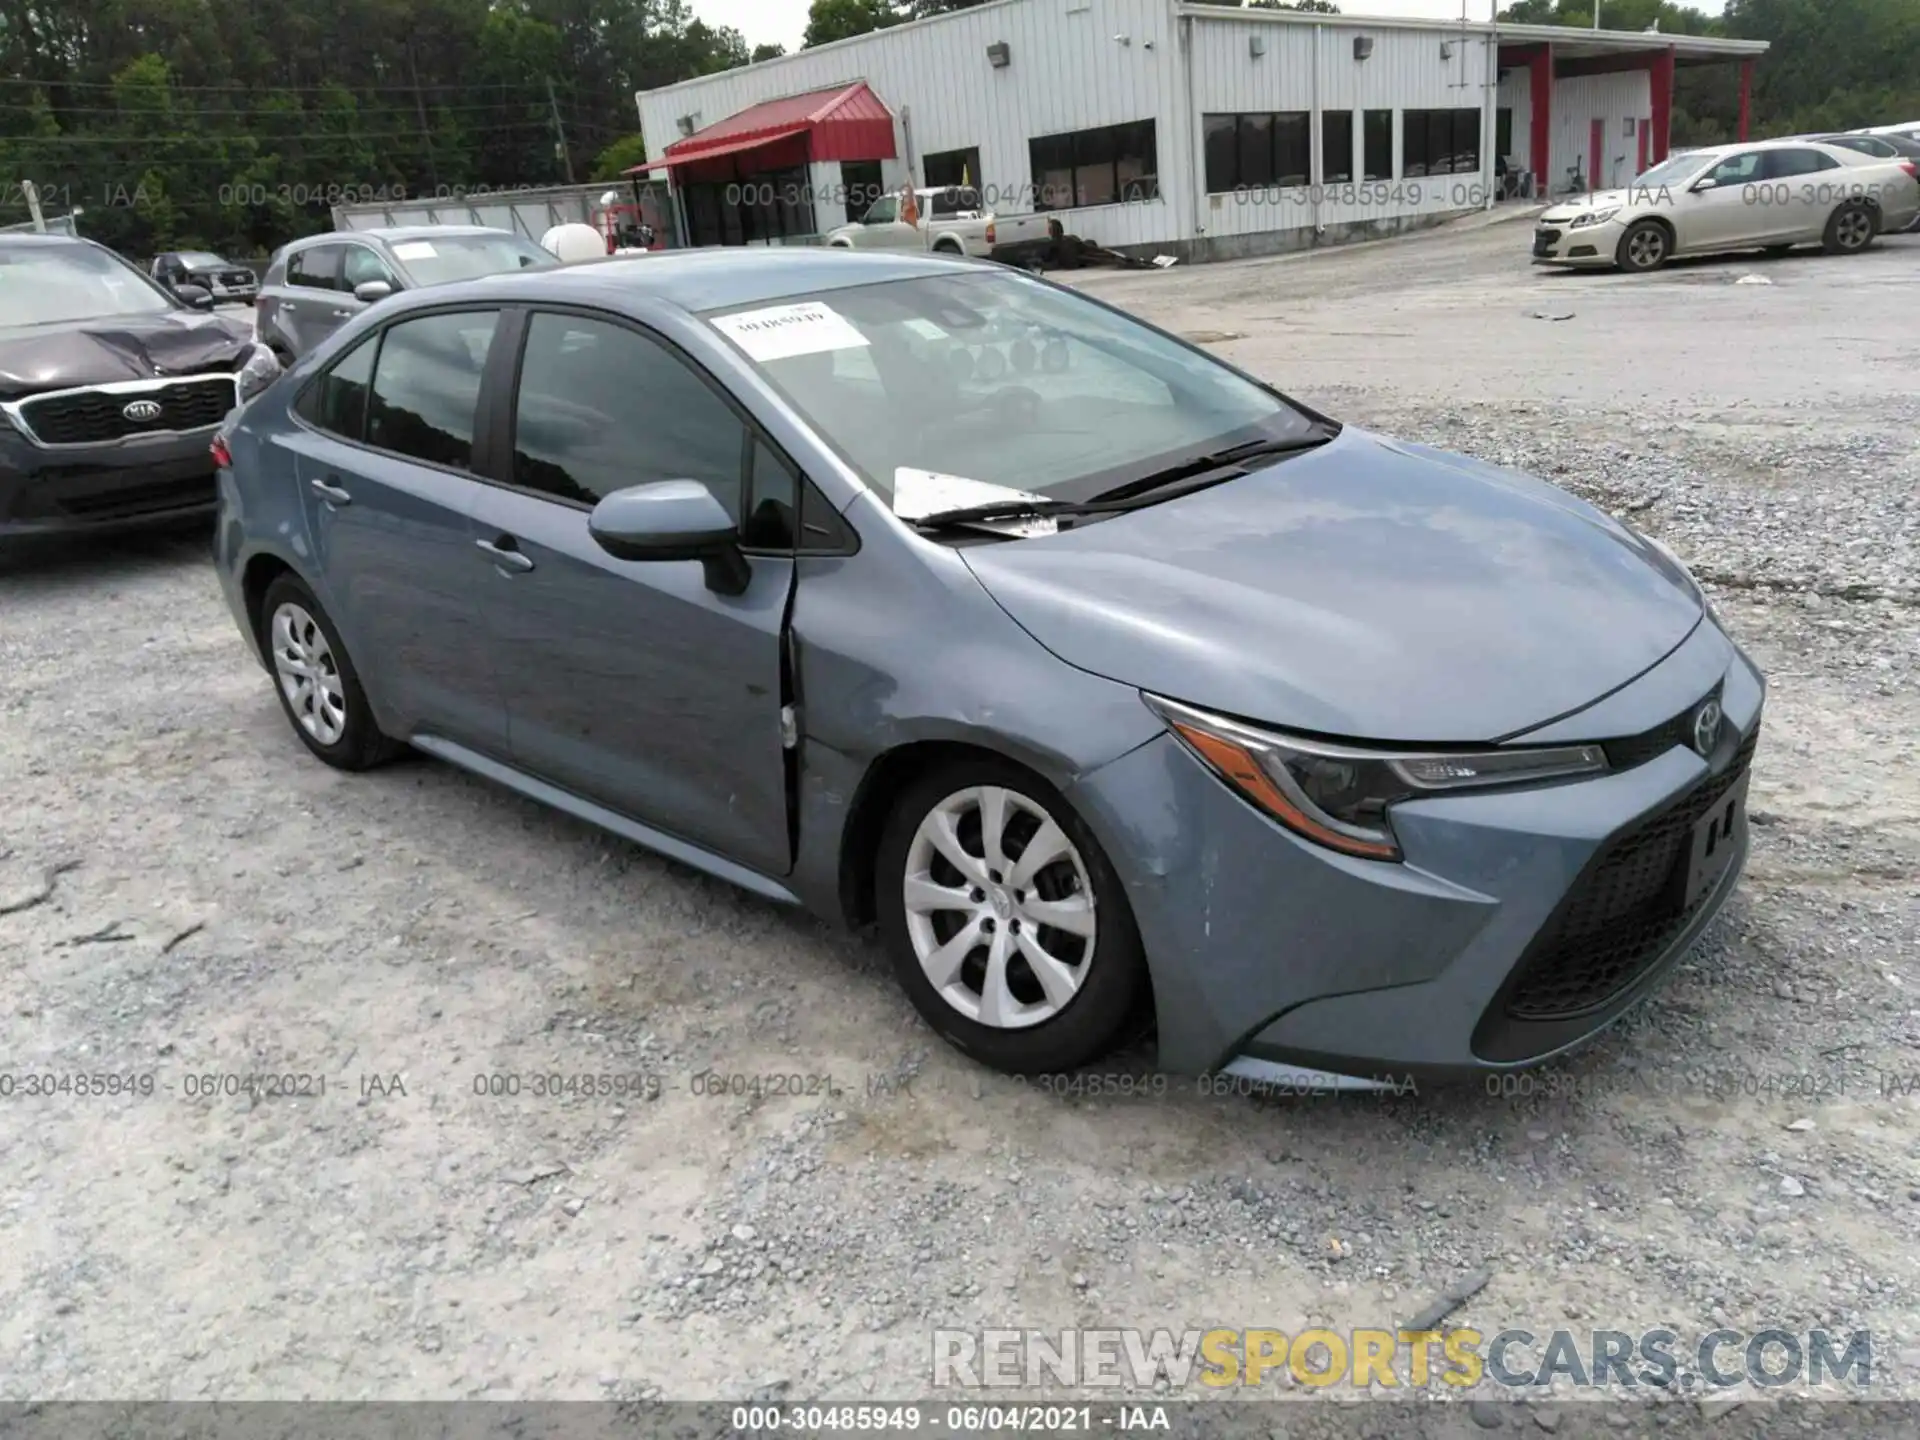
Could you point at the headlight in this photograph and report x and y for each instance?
(260, 371)
(1338, 795)
(1593, 217)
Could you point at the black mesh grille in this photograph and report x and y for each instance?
(1543, 241)
(1622, 914)
(91, 417)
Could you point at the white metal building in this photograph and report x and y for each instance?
(1152, 125)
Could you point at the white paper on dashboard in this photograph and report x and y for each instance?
(781, 331)
(414, 250)
(918, 493)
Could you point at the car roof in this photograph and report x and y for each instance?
(393, 232)
(33, 237)
(707, 279)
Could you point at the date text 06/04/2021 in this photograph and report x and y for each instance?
(1039, 1419)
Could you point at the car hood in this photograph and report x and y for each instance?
(1598, 200)
(1367, 589)
(35, 358)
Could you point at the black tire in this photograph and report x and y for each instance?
(359, 745)
(1105, 1010)
(1851, 228)
(1645, 247)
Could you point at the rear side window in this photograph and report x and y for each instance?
(427, 384)
(602, 407)
(337, 401)
(316, 268)
(1785, 164)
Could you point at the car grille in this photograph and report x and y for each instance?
(94, 417)
(237, 277)
(1544, 241)
(1651, 744)
(1622, 914)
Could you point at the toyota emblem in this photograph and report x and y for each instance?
(1706, 727)
(141, 411)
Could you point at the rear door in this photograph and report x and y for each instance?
(633, 684)
(306, 310)
(1806, 188)
(385, 456)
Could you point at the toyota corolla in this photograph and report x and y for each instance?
(1118, 690)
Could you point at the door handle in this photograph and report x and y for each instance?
(341, 314)
(505, 556)
(332, 494)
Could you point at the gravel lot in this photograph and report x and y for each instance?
(1743, 1153)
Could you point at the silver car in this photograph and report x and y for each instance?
(1768, 196)
(1114, 687)
(316, 285)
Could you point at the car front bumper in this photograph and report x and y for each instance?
(151, 480)
(1556, 242)
(1504, 938)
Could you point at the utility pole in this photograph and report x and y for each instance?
(559, 132)
(420, 104)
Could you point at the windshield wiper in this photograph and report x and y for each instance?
(1231, 460)
(1016, 510)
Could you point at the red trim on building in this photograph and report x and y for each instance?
(1540, 95)
(1660, 74)
(1746, 96)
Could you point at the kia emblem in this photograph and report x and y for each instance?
(141, 411)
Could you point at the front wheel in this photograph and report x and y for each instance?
(1850, 229)
(1644, 247)
(1007, 926)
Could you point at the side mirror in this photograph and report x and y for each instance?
(368, 291)
(673, 520)
(198, 296)
(1704, 183)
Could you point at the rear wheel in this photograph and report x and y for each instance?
(1850, 229)
(1007, 925)
(1644, 247)
(318, 687)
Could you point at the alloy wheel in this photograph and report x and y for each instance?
(303, 663)
(999, 908)
(1646, 248)
(1853, 229)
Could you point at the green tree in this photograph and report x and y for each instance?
(830, 20)
(621, 156)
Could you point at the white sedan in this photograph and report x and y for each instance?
(1770, 196)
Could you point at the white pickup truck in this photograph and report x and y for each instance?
(951, 220)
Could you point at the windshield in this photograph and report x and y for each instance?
(1676, 169)
(999, 378)
(200, 259)
(44, 284)
(440, 259)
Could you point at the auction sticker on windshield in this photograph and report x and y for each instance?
(415, 250)
(782, 331)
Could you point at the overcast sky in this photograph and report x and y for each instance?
(784, 21)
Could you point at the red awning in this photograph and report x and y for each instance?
(847, 123)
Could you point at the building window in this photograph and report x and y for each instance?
(1336, 147)
(1439, 142)
(953, 167)
(1256, 152)
(1503, 133)
(1377, 145)
(1116, 163)
(860, 179)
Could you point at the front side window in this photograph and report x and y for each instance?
(602, 407)
(47, 284)
(999, 378)
(426, 385)
(362, 265)
(1737, 169)
(884, 211)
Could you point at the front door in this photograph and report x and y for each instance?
(632, 684)
(383, 467)
(1728, 213)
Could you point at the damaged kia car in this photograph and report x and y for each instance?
(1119, 691)
(111, 390)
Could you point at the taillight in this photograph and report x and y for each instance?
(990, 232)
(222, 457)
(1911, 168)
